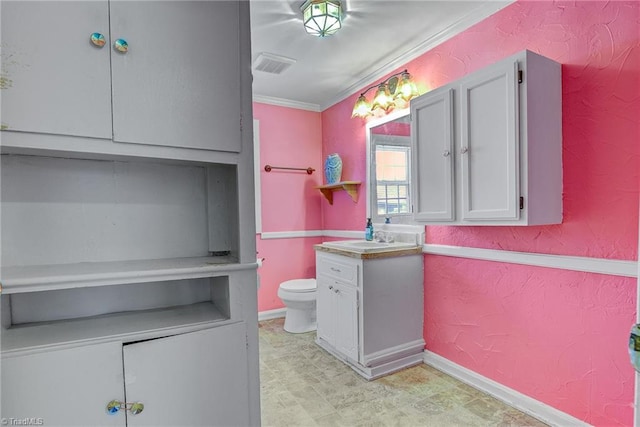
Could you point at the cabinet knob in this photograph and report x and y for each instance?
(337, 270)
(337, 291)
(115, 406)
(97, 40)
(136, 408)
(446, 153)
(330, 287)
(121, 45)
(464, 150)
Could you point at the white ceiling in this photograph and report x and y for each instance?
(377, 36)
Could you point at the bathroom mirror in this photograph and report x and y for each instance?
(389, 168)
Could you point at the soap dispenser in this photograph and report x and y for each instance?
(368, 231)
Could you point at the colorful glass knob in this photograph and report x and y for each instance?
(121, 45)
(136, 408)
(113, 407)
(97, 39)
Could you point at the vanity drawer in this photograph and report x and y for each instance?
(336, 268)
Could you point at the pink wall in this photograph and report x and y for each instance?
(559, 337)
(289, 138)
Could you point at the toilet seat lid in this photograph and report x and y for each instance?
(299, 285)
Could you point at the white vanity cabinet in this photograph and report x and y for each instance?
(488, 147)
(187, 52)
(370, 309)
(337, 305)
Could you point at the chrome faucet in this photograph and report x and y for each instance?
(383, 237)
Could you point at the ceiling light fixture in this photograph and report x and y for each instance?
(388, 94)
(322, 17)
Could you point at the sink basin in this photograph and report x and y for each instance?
(365, 246)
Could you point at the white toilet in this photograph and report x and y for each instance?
(299, 295)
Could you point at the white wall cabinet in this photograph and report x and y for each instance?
(127, 209)
(64, 90)
(45, 385)
(195, 379)
(63, 84)
(488, 147)
(370, 311)
(176, 378)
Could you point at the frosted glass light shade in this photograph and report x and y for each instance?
(406, 88)
(362, 108)
(382, 99)
(322, 17)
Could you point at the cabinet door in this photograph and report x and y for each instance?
(346, 320)
(432, 139)
(489, 147)
(194, 379)
(179, 82)
(69, 387)
(325, 316)
(57, 81)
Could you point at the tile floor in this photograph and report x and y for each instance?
(302, 385)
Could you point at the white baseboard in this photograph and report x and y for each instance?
(271, 314)
(526, 404)
(393, 353)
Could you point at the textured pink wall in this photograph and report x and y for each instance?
(346, 136)
(285, 259)
(290, 138)
(559, 337)
(597, 43)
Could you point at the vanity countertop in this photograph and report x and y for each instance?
(363, 249)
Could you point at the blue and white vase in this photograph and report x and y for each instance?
(333, 168)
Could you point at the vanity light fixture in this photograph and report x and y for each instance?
(389, 91)
(322, 17)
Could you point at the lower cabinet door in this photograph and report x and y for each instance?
(325, 311)
(70, 387)
(193, 379)
(346, 333)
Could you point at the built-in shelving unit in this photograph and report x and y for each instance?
(128, 245)
(351, 187)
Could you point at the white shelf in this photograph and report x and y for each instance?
(86, 274)
(127, 326)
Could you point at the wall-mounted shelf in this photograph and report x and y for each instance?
(350, 187)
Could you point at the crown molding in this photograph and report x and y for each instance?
(477, 15)
(286, 103)
(485, 10)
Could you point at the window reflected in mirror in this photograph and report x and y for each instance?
(392, 179)
(389, 174)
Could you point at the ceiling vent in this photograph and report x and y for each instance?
(273, 64)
